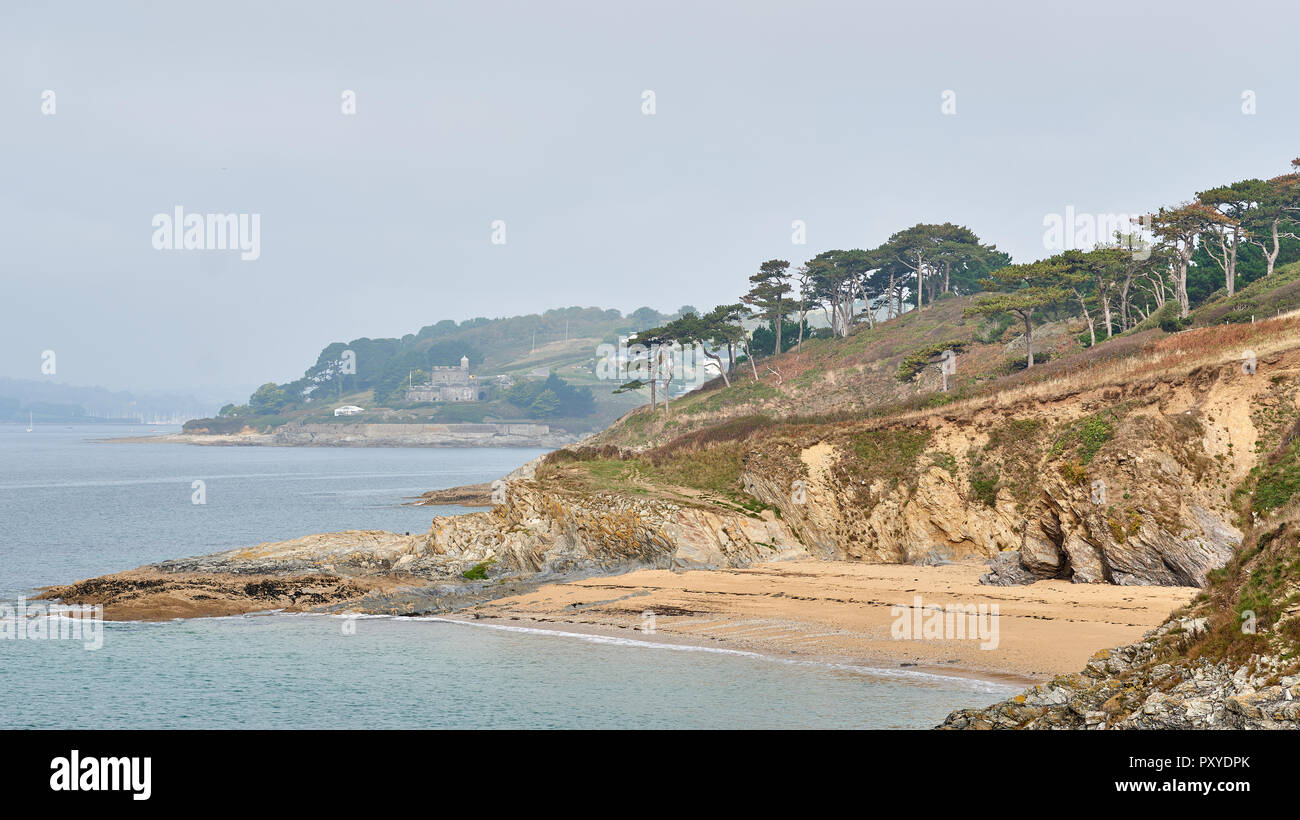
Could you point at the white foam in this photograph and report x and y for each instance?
(883, 672)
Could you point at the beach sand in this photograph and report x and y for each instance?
(841, 612)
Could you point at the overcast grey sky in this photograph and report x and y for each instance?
(378, 223)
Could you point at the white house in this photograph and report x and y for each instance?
(348, 410)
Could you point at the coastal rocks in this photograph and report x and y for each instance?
(352, 553)
(1142, 513)
(472, 495)
(1129, 688)
(536, 536)
(567, 532)
(1007, 569)
(150, 595)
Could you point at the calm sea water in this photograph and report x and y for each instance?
(73, 507)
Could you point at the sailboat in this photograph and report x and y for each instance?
(29, 421)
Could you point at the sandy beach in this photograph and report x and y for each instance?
(841, 612)
(825, 611)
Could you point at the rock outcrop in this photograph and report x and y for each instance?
(472, 495)
(535, 537)
(1139, 514)
(1226, 661)
(1110, 487)
(1134, 687)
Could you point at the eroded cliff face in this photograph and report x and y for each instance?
(535, 531)
(540, 530)
(1122, 486)
(842, 516)
(1153, 509)
(1131, 486)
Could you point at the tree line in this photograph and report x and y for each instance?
(1116, 283)
(1114, 286)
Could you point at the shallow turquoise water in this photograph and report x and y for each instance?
(73, 508)
(287, 671)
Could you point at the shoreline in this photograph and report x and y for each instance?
(831, 612)
(875, 665)
(841, 613)
(859, 643)
(269, 440)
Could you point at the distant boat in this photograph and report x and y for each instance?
(29, 422)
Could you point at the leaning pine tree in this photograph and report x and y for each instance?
(1033, 287)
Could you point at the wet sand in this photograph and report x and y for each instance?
(843, 612)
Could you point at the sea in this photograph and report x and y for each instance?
(74, 505)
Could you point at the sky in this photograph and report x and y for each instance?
(858, 119)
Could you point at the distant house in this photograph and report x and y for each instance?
(447, 384)
(348, 410)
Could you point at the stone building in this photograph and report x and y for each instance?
(447, 384)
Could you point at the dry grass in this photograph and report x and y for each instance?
(1133, 359)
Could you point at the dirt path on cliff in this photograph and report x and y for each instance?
(843, 612)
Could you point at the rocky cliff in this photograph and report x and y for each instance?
(1142, 686)
(1131, 484)
(1228, 661)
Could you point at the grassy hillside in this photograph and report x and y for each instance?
(873, 372)
(1262, 299)
(522, 348)
(893, 368)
